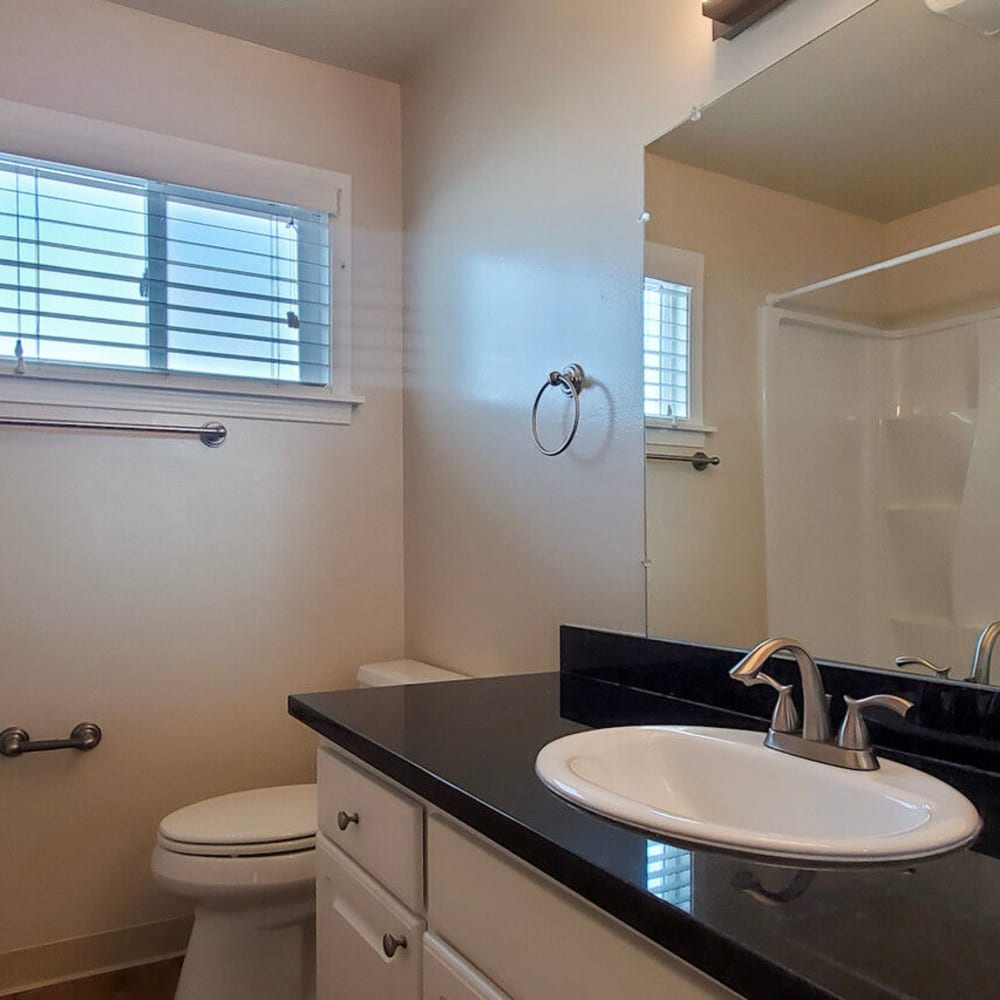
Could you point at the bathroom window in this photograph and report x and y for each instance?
(672, 320)
(120, 292)
(113, 272)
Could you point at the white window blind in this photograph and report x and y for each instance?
(667, 308)
(668, 874)
(115, 272)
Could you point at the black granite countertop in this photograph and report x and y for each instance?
(930, 930)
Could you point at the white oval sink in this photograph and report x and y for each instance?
(724, 788)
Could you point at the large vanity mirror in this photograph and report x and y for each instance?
(856, 502)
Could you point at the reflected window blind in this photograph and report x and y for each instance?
(116, 272)
(666, 349)
(668, 874)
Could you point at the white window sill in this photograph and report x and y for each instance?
(662, 435)
(32, 395)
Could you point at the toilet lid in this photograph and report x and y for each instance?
(259, 821)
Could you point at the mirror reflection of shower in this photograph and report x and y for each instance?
(905, 529)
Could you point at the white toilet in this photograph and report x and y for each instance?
(246, 862)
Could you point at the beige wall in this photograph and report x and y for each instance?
(943, 285)
(962, 279)
(173, 594)
(706, 531)
(523, 183)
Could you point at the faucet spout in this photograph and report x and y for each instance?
(984, 654)
(815, 713)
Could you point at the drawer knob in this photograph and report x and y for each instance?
(344, 820)
(391, 944)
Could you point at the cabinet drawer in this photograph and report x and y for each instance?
(387, 839)
(353, 915)
(537, 940)
(448, 976)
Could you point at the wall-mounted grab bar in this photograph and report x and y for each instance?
(211, 434)
(699, 459)
(15, 741)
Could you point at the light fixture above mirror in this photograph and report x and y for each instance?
(980, 15)
(732, 17)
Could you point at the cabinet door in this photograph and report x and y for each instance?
(354, 914)
(448, 976)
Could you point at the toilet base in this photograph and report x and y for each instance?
(266, 953)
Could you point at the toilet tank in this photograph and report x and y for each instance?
(402, 672)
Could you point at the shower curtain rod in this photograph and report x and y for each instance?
(776, 298)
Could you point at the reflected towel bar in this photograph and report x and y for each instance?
(699, 460)
(211, 434)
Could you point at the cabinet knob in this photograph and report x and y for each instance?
(344, 820)
(391, 944)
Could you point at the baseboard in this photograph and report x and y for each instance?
(60, 961)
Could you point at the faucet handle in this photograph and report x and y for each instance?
(919, 661)
(853, 732)
(785, 718)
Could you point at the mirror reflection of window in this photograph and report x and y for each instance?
(669, 875)
(673, 296)
(666, 344)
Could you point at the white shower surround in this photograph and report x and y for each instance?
(881, 449)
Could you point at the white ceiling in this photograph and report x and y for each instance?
(382, 38)
(896, 110)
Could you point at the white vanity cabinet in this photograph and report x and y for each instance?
(470, 922)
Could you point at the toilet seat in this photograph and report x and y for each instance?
(262, 821)
(232, 880)
(247, 850)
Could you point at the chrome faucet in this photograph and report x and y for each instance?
(852, 748)
(984, 654)
(816, 716)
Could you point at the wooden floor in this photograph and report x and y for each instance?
(144, 982)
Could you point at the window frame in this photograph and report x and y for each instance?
(682, 267)
(104, 146)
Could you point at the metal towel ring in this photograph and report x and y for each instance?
(571, 379)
